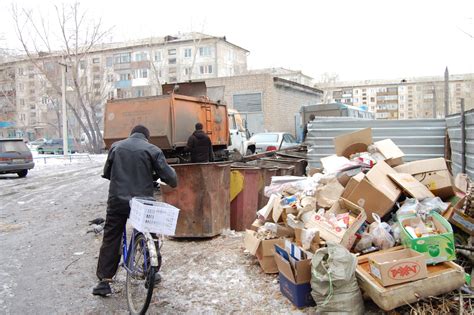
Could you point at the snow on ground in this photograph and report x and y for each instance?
(49, 259)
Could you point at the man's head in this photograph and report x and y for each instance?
(141, 129)
(311, 117)
(198, 126)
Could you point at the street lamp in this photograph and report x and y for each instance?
(64, 114)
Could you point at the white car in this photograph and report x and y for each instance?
(270, 141)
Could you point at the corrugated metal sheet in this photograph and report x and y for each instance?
(417, 138)
(454, 130)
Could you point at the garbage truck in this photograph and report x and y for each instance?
(171, 119)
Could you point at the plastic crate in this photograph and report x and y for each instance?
(153, 216)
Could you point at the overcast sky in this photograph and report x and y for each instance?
(355, 39)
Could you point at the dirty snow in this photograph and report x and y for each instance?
(43, 228)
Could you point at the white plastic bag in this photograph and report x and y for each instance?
(380, 232)
(364, 243)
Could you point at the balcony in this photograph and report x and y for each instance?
(123, 84)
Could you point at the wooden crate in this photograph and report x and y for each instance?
(442, 278)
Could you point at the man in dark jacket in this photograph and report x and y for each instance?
(200, 146)
(132, 166)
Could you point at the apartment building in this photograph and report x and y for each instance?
(418, 97)
(119, 70)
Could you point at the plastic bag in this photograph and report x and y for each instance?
(435, 204)
(333, 281)
(364, 243)
(409, 207)
(380, 232)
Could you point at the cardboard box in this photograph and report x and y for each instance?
(459, 219)
(255, 225)
(375, 192)
(392, 153)
(398, 267)
(264, 250)
(436, 248)
(345, 237)
(354, 142)
(295, 281)
(411, 186)
(314, 244)
(433, 173)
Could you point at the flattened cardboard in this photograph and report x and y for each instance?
(433, 173)
(391, 152)
(396, 267)
(353, 142)
(251, 242)
(411, 186)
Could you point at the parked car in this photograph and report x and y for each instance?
(55, 146)
(15, 157)
(33, 145)
(269, 141)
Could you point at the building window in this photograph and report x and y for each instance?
(157, 55)
(141, 73)
(172, 61)
(205, 69)
(171, 52)
(96, 86)
(124, 76)
(173, 79)
(122, 58)
(205, 51)
(22, 101)
(82, 64)
(372, 99)
(110, 95)
(187, 53)
(20, 71)
(96, 77)
(96, 60)
(142, 56)
(110, 78)
(32, 91)
(140, 93)
(187, 70)
(109, 61)
(31, 76)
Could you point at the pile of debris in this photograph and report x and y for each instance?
(365, 223)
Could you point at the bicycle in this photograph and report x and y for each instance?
(142, 257)
(142, 260)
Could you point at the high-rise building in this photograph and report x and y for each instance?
(418, 97)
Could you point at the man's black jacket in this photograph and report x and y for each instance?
(131, 166)
(201, 147)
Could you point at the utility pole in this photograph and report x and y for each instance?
(446, 92)
(64, 110)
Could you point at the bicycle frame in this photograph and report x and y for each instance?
(126, 250)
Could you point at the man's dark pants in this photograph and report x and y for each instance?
(109, 256)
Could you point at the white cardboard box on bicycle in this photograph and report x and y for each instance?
(153, 216)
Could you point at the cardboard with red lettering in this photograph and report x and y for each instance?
(398, 267)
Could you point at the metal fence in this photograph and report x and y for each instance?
(417, 138)
(458, 151)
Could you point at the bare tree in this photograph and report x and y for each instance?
(77, 35)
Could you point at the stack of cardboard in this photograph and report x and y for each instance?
(364, 181)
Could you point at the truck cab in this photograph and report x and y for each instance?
(239, 135)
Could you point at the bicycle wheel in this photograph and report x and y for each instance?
(140, 277)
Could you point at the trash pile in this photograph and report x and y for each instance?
(366, 222)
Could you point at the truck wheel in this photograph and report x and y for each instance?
(22, 173)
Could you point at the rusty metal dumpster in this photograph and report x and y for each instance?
(299, 164)
(282, 169)
(243, 209)
(202, 196)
